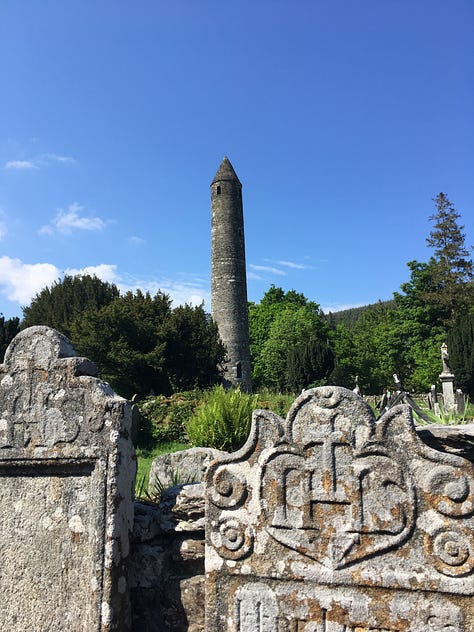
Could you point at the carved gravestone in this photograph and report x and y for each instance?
(332, 522)
(66, 475)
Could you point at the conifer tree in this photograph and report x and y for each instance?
(461, 353)
(66, 299)
(8, 330)
(452, 269)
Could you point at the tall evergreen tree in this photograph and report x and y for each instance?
(8, 330)
(60, 304)
(452, 269)
(461, 353)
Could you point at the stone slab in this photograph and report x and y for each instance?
(329, 521)
(67, 470)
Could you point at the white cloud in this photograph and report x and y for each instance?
(21, 281)
(254, 277)
(71, 219)
(38, 162)
(136, 241)
(267, 269)
(20, 164)
(104, 271)
(181, 292)
(48, 158)
(339, 307)
(291, 264)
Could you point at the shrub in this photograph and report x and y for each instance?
(165, 417)
(222, 420)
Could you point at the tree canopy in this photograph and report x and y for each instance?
(281, 323)
(8, 330)
(66, 299)
(139, 343)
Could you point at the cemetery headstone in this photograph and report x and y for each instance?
(447, 382)
(67, 469)
(329, 521)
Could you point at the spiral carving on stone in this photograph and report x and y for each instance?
(233, 539)
(450, 490)
(229, 489)
(452, 551)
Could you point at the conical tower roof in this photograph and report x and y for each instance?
(225, 172)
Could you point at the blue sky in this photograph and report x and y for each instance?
(342, 119)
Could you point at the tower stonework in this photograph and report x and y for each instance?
(229, 282)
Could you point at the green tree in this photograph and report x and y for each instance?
(461, 353)
(8, 330)
(141, 345)
(127, 339)
(277, 324)
(60, 304)
(452, 268)
(309, 364)
(194, 350)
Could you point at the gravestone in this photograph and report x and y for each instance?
(67, 469)
(329, 521)
(446, 378)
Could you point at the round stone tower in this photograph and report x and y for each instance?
(229, 282)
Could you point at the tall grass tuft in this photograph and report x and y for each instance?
(222, 420)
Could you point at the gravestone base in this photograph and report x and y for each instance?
(279, 606)
(449, 399)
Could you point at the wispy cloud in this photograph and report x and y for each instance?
(270, 269)
(188, 289)
(136, 241)
(254, 276)
(290, 264)
(43, 160)
(20, 164)
(3, 226)
(72, 219)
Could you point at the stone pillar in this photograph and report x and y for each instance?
(434, 400)
(447, 382)
(229, 281)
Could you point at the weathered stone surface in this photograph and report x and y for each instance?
(67, 471)
(333, 522)
(182, 508)
(229, 279)
(185, 466)
(167, 574)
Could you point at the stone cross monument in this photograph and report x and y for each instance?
(229, 282)
(447, 382)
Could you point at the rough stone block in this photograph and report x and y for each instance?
(66, 490)
(329, 521)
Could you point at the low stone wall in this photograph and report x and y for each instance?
(167, 572)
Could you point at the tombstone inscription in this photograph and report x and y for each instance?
(66, 478)
(329, 521)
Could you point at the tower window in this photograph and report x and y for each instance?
(238, 370)
(218, 190)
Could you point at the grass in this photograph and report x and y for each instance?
(146, 457)
(448, 419)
